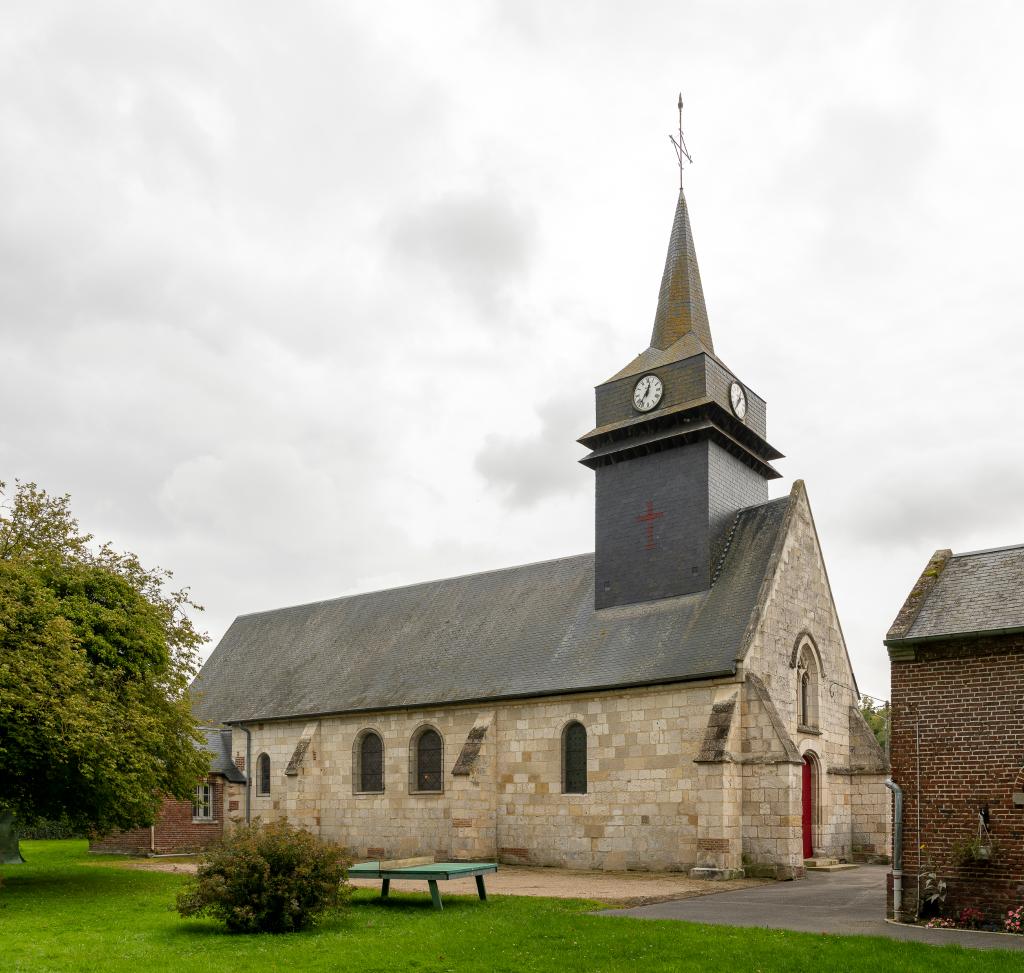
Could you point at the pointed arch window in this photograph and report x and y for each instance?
(428, 761)
(574, 759)
(263, 774)
(368, 772)
(807, 690)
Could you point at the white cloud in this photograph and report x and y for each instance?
(297, 300)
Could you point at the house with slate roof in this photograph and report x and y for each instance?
(956, 651)
(183, 826)
(681, 698)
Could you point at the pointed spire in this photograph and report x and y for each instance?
(681, 309)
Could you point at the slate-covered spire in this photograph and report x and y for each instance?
(681, 309)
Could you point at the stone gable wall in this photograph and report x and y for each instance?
(798, 608)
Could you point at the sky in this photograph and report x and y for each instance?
(305, 299)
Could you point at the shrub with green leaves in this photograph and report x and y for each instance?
(268, 878)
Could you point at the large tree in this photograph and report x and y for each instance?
(96, 654)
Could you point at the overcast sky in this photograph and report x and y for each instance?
(306, 299)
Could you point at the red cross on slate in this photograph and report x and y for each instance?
(648, 518)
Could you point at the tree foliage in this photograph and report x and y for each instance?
(96, 654)
(268, 878)
(876, 716)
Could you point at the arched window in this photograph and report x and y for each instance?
(807, 689)
(263, 774)
(574, 759)
(368, 772)
(428, 761)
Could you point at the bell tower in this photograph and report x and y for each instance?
(678, 449)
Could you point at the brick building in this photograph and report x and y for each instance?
(957, 749)
(682, 698)
(183, 826)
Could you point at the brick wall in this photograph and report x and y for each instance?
(965, 698)
(175, 831)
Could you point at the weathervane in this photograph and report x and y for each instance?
(680, 144)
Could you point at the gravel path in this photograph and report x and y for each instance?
(619, 888)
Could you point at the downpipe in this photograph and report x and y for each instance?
(248, 772)
(897, 850)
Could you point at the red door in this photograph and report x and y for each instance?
(808, 790)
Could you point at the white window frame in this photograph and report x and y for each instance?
(202, 803)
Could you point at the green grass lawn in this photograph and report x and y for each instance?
(67, 910)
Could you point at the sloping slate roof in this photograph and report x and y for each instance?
(978, 592)
(523, 631)
(681, 308)
(218, 746)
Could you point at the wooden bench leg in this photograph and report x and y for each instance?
(480, 890)
(385, 887)
(435, 896)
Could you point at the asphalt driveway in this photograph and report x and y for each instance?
(845, 903)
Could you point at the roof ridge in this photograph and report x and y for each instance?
(414, 584)
(725, 548)
(990, 550)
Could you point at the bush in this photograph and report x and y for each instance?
(1014, 921)
(268, 878)
(44, 829)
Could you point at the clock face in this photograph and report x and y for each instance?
(647, 393)
(738, 400)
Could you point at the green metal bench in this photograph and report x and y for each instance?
(431, 873)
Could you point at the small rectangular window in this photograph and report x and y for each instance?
(202, 803)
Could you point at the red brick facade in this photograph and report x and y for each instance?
(958, 723)
(174, 831)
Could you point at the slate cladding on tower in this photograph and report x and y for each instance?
(670, 481)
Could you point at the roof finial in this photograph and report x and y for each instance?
(680, 144)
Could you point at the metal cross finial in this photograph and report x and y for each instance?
(680, 145)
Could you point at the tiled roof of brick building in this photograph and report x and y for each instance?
(964, 594)
(523, 631)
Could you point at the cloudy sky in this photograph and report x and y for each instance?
(310, 298)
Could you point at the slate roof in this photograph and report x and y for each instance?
(681, 328)
(218, 746)
(523, 631)
(961, 594)
(681, 307)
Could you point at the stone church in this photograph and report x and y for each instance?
(680, 699)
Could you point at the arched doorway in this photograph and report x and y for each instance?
(809, 774)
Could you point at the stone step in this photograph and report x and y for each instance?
(826, 865)
(716, 874)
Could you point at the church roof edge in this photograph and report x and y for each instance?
(517, 632)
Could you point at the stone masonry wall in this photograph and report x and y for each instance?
(799, 611)
(963, 697)
(640, 810)
(872, 809)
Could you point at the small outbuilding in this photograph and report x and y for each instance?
(185, 826)
(957, 744)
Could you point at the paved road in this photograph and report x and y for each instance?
(846, 903)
